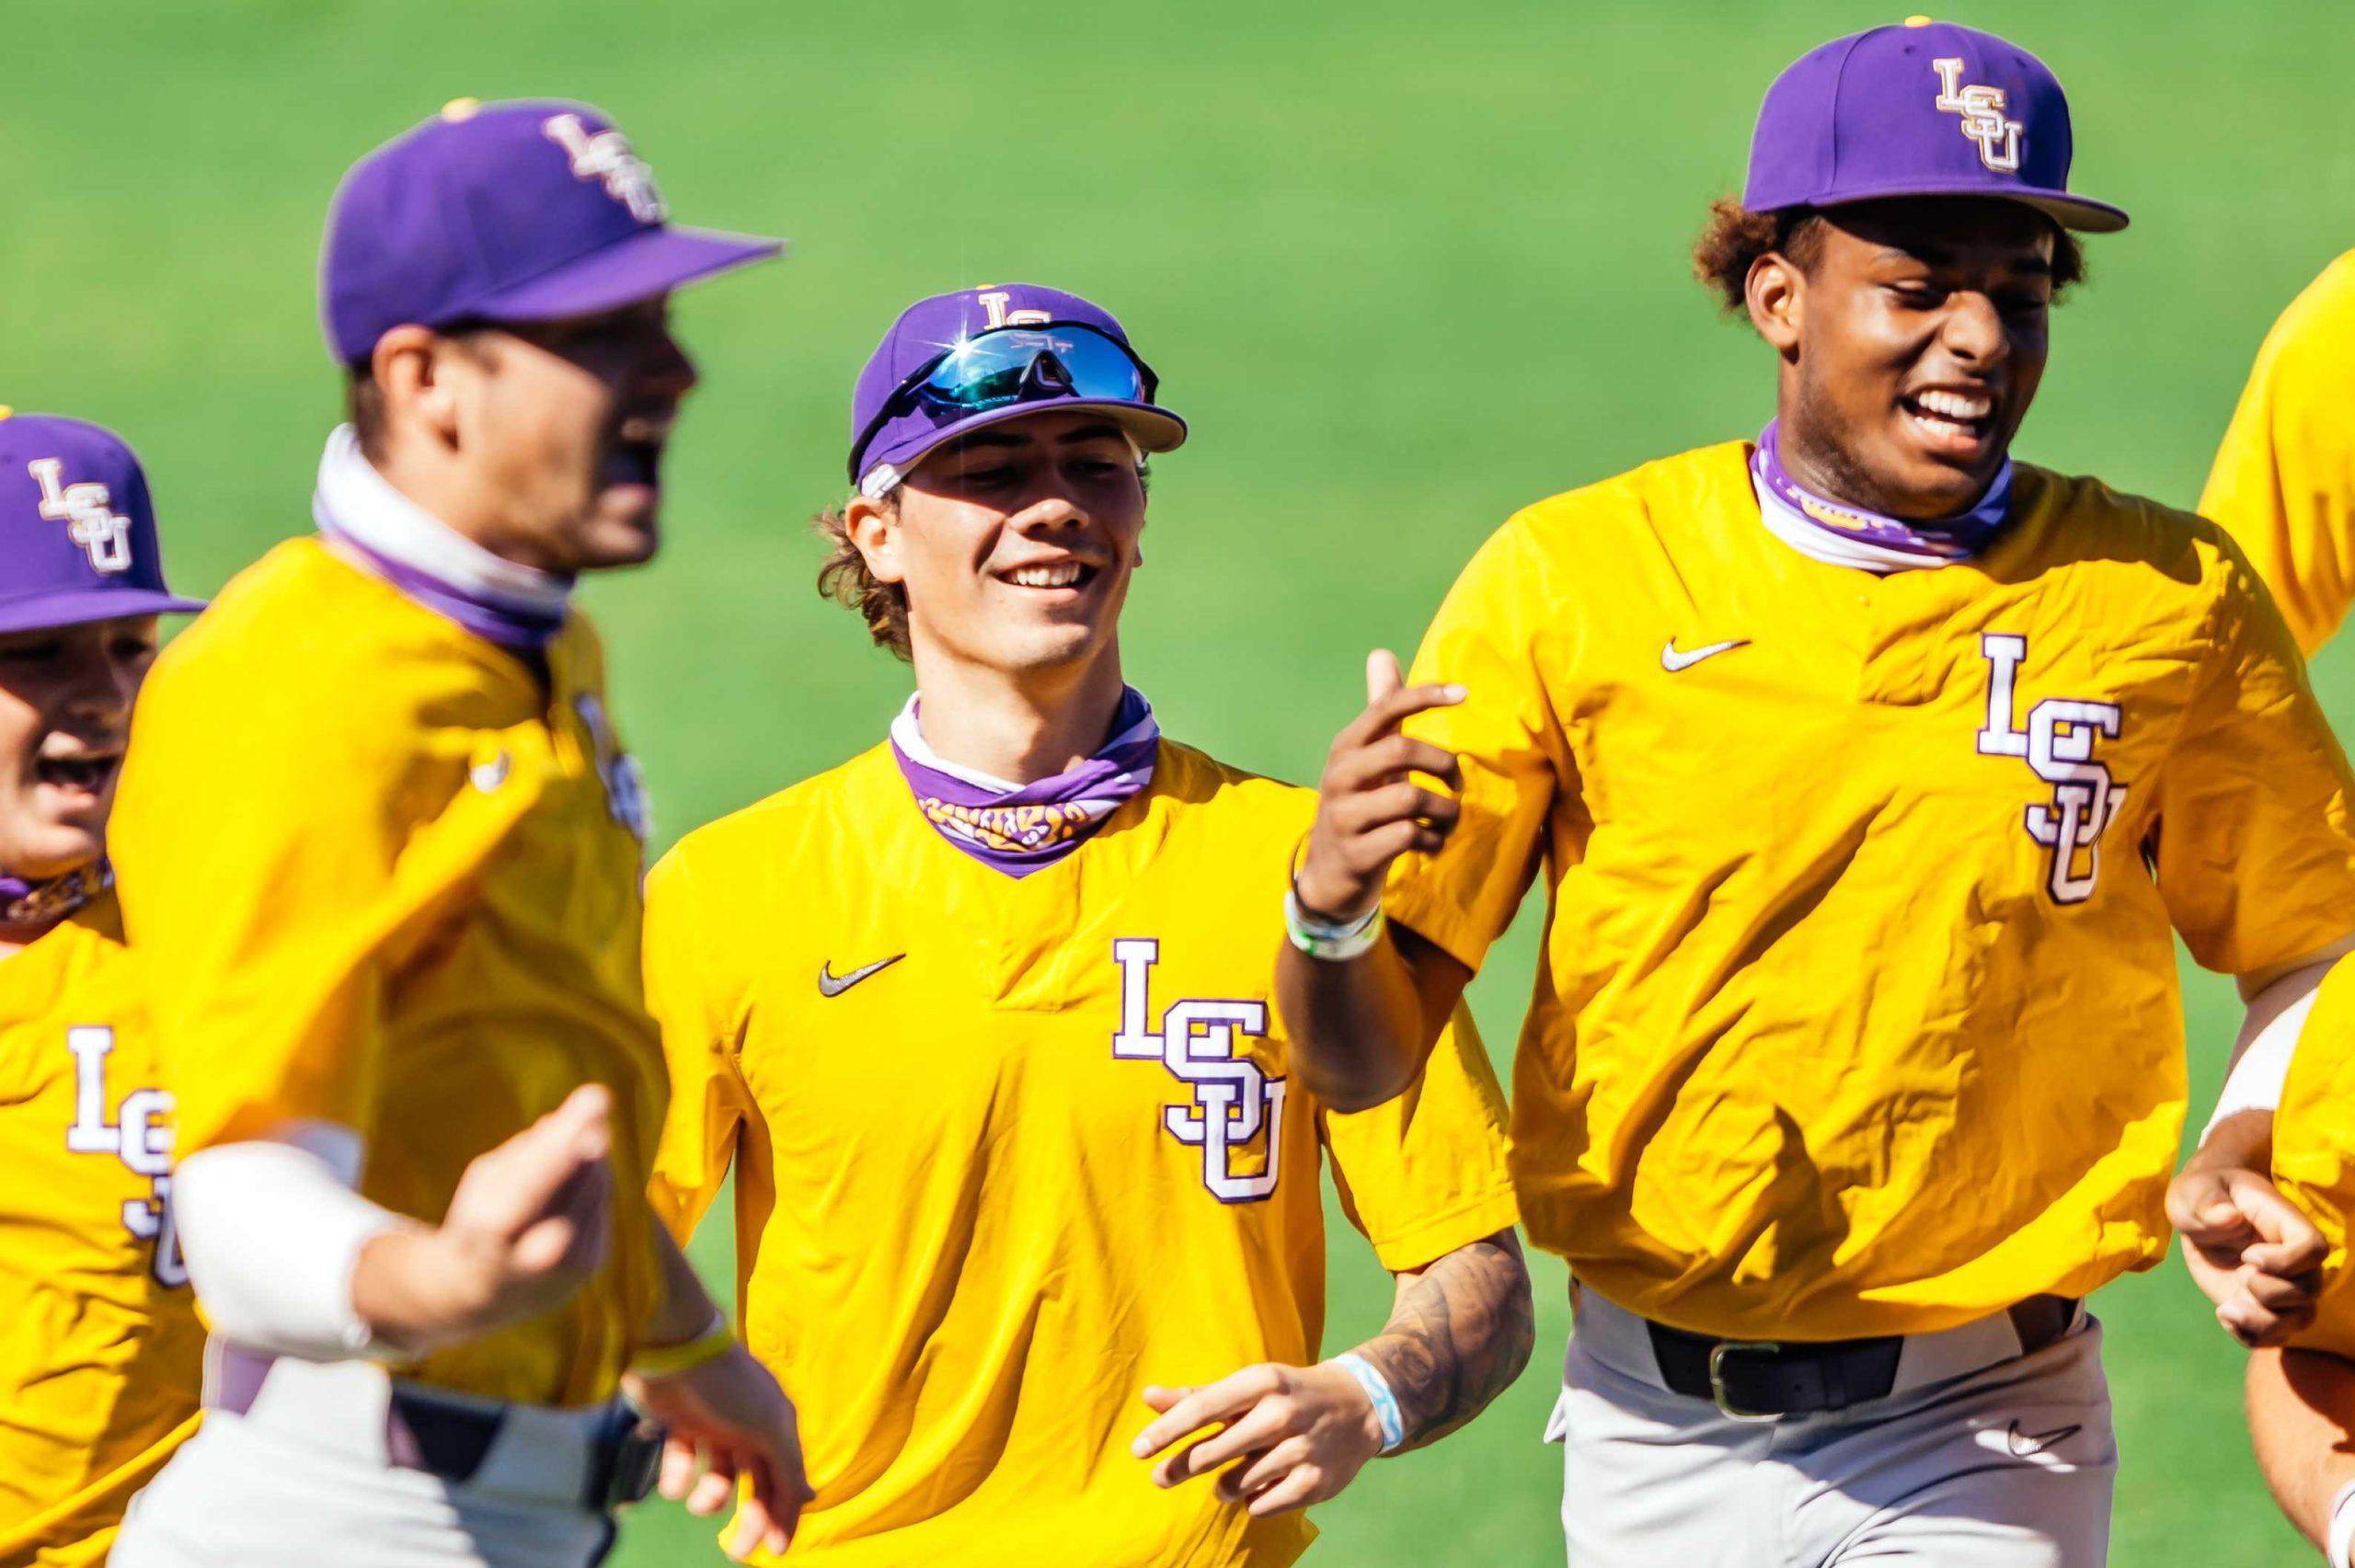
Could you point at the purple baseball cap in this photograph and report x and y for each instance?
(929, 328)
(507, 211)
(1925, 108)
(78, 531)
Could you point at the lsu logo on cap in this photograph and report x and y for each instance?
(607, 157)
(993, 302)
(87, 511)
(1982, 108)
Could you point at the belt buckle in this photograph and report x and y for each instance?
(1724, 1401)
(636, 1459)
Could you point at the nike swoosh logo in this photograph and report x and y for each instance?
(1673, 661)
(2028, 1445)
(832, 984)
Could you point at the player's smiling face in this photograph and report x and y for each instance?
(65, 696)
(1912, 348)
(1015, 544)
(565, 423)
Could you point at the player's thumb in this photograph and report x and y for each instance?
(1382, 675)
(553, 1152)
(2200, 1206)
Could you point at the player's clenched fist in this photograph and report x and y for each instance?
(528, 1223)
(1370, 809)
(2252, 1251)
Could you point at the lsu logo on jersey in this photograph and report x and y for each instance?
(1236, 1105)
(1982, 108)
(87, 511)
(140, 1136)
(626, 798)
(2058, 746)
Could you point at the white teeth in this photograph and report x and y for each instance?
(1954, 405)
(1064, 574)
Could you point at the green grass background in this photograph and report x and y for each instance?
(1404, 267)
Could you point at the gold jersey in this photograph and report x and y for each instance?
(2284, 480)
(1857, 1012)
(101, 1351)
(2313, 1148)
(379, 876)
(1007, 1150)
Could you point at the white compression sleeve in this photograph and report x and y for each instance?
(271, 1230)
(2255, 1084)
(2340, 1543)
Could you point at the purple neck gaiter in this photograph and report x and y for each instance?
(1956, 538)
(46, 902)
(510, 626)
(1017, 828)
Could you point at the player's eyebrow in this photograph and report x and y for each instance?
(987, 437)
(1937, 256)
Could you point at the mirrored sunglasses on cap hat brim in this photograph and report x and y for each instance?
(1051, 363)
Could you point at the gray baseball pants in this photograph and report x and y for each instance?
(305, 1479)
(1978, 1460)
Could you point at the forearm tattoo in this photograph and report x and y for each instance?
(1460, 1334)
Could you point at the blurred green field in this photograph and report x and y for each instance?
(1404, 266)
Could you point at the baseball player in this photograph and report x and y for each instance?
(2283, 484)
(98, 1360)
(1871, 772)
(2302, 1393)
(381, 854)
(980, 1020)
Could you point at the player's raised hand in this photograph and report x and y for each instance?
(2252, 1252)
(1370, 810)
(528, 1223)
(1291, 1436)
(730, 1423)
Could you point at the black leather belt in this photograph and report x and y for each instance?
(1765, 1381)
(451, 1439)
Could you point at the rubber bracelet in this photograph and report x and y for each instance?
(670, 1361)
(1326, 940)
(2342, 1527)
(1377, 1389)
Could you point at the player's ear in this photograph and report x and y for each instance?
(1776, 293)
(874, 530)
(411, 364)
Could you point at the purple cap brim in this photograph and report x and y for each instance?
(1155, 427)
(652, 261)
(39, 611)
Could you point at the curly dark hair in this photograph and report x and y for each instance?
(844, 579)
(1735, 238)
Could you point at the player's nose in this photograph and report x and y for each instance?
(102, 692)
(1051, 513)
(668, 371)
(1973, 329)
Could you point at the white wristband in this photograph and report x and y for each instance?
(1335, 942)
(2341, 1539)
(1377, 1389)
